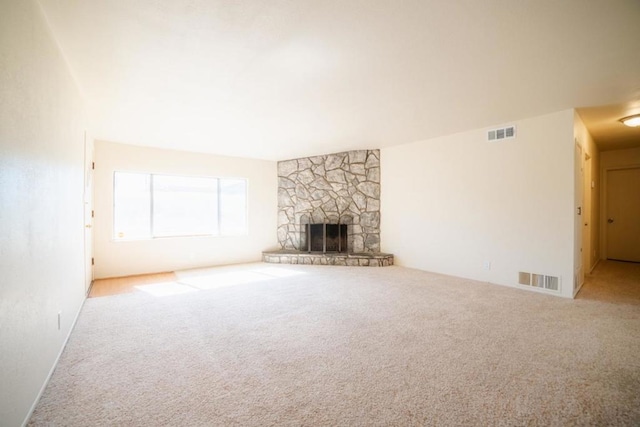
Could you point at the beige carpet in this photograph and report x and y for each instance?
(316, 346)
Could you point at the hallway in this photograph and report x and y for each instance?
(613, 281)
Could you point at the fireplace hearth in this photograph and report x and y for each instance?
(378, 259)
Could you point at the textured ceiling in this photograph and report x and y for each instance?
(279, 79)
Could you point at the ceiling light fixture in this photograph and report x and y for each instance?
(631, 121)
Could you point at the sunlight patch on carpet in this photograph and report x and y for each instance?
(219, 279)
(279, 272)
(165, 289)
(214, 281)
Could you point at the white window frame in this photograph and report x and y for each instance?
(151, 236)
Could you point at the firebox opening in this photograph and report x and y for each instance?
(327, 237)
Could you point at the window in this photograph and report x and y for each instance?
(149, 205)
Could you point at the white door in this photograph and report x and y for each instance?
(88, 211)
(623, 214)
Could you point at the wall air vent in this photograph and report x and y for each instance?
(524, 278)
(551, 283)
(508, 132)
(537, 280)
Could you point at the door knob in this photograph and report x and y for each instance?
(610, 220)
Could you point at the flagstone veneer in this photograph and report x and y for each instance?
(335, 188)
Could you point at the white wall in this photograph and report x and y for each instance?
(41, 213)
(612, 160)
(451, 204)
(122, 258)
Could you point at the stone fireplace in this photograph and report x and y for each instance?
(336, 188)
(330, 205)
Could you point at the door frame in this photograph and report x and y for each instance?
(587, 214)
(87, 204)
(578, 212)
(604, 204)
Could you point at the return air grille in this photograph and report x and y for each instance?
(551, 283)
(508, 132)
(524, 278)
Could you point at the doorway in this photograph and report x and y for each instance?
(623, 214)
(587, 200)
(578, 227)
(88, 211)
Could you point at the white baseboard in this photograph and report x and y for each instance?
(53, 368)
(575, 292)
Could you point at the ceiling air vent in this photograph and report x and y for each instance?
(508, 132)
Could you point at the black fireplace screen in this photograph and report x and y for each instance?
(326, 237)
